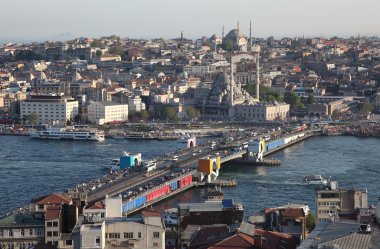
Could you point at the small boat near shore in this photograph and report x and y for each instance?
(113, 165)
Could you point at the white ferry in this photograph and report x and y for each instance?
(76, 132)
(113, 165)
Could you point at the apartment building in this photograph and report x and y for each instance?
(51, 109)
(105, 112)
(339, 204)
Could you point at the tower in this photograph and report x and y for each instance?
(258, 77)
(223, 32)
(250, 35)
(231, 83)
(181, 36)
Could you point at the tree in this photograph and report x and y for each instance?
(27, 55)
(293, 100)
(98, 53)
(310, 221)
(366, 108)
(310, 99)
(97, 44)
(192, 113)
(32, 118)
(117, 50)
(169, 113)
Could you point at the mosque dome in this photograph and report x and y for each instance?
(236, 37)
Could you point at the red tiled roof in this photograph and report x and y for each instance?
(53, 199)
(52, 212)
(293, 212)
(96, 205)
(236, 241)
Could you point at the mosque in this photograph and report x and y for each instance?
(227, 99)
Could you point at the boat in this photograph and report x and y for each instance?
(315, 179)
(170, 217)
(76, 132)
(119, 136)
(113, 165)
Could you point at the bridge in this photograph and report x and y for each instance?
(172, 178)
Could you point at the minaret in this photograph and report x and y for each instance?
(181, 36)
(258, 77)
(223, 32)
(231, 83)
(250, 35)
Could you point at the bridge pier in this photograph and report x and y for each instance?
(209, 168)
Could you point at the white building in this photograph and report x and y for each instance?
(135, 104)
(200, 70)
(263, 111)
(53, 110)
(105, 112)
(112, 230)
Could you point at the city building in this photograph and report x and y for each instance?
(105, 112)
(340, 204)
(104, 227)
(135, 104)
(21, 231)
(50, 109)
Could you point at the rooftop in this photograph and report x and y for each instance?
(16, 220)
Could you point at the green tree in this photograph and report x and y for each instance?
(293, 100)
(27, 55)
(169, 113)
(98, 53)
(310, 221)
(117, 50)
(366, 108)
(144, 114)
(192, 113)
(32, 118)
(310, 99)
(97, 44)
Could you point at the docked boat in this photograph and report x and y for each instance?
(76, 132)
(113, 165)
(315, 179)
(170, 217)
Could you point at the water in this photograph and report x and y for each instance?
(354, 162)
(31, 168)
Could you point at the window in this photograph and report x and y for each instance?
(97, 241)
(1, 233)
(139, 235)
(55, 233)
(49, 224)
(128, 235)
(156, 235)
(10, 233)
(155, 244)
(30, 232)
(69, 242)
(55, 224)
(39, 232)
(114, 235)
(49, 234)
(22, 232)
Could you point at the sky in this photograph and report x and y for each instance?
(28, 20)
